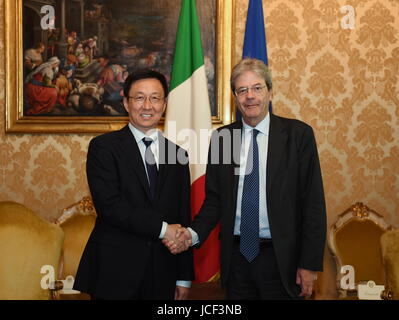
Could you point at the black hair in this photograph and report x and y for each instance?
(144, 74)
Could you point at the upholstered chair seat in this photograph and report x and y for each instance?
(28, 243)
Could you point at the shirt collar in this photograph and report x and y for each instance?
(262, 126)
(139, 135)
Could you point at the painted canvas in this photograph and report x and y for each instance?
(77, 53)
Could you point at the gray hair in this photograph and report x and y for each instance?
(254, 65)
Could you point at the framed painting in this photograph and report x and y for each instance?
(66, 61)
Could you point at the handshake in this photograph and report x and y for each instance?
(177, 238)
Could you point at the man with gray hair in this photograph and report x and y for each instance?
(269, 199)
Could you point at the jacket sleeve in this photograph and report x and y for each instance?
(185, 264)
(208, 217)
(312, 204)
(112, 207)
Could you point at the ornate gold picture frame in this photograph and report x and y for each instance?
(18, 121)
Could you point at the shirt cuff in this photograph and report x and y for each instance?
(182, 283)
(163, 230)
(194, 236)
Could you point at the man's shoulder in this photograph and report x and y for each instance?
(232, 126)
(291, 124)
(108, 138)
(280, 121)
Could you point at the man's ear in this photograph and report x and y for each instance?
(126, 104)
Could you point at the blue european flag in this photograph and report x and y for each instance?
(255, 37)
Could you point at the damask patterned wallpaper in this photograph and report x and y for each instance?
(342, 82)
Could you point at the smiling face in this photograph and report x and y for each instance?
(145, 115)
(253, 105)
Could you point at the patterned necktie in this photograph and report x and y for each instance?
(249, 228)
(151, 166)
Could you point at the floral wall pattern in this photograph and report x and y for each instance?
(343, 82)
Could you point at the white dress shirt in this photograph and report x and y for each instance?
(263, 141)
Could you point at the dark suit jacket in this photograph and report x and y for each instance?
(294, 193)
(125, 240)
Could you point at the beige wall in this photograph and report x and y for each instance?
(342, 82)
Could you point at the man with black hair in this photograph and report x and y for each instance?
(141, 194)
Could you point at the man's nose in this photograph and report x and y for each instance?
(250, 94)
(147, 103)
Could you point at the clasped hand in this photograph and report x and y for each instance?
(177, 238)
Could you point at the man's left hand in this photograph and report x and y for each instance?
(181, 293)
(305, 278)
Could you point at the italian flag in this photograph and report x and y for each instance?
(188, 124)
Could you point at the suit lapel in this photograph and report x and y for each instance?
(135, 161)
(235, 164)
(277, 143)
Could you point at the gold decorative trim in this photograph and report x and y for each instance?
(215, 277)
(360, 210)
(225, 44)
(83, 207)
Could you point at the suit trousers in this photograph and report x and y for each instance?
(256, 280)
(148, 289)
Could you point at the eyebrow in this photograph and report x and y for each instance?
(256, 84)
(152, 93)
